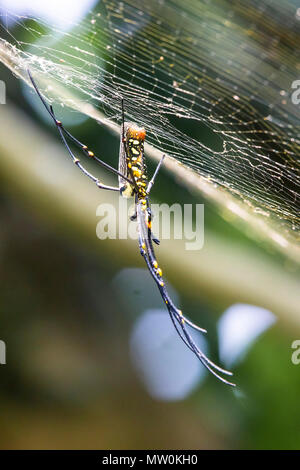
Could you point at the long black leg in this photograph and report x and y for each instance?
(81, 167)
(83, 147)
(178, 319)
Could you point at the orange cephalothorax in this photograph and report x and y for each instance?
(135, 132)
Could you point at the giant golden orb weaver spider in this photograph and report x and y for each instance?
(133, 182)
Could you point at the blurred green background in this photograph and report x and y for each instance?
(68, 309)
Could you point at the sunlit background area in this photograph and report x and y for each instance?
(92, 359)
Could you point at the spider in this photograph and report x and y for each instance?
(133, 182)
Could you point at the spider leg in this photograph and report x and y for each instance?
(81, 167)
(150, 233)
(134, 215)
(177, 318)
(146, 256)
(151, 182)
(83, 147)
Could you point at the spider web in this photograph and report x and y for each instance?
(211, 81)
